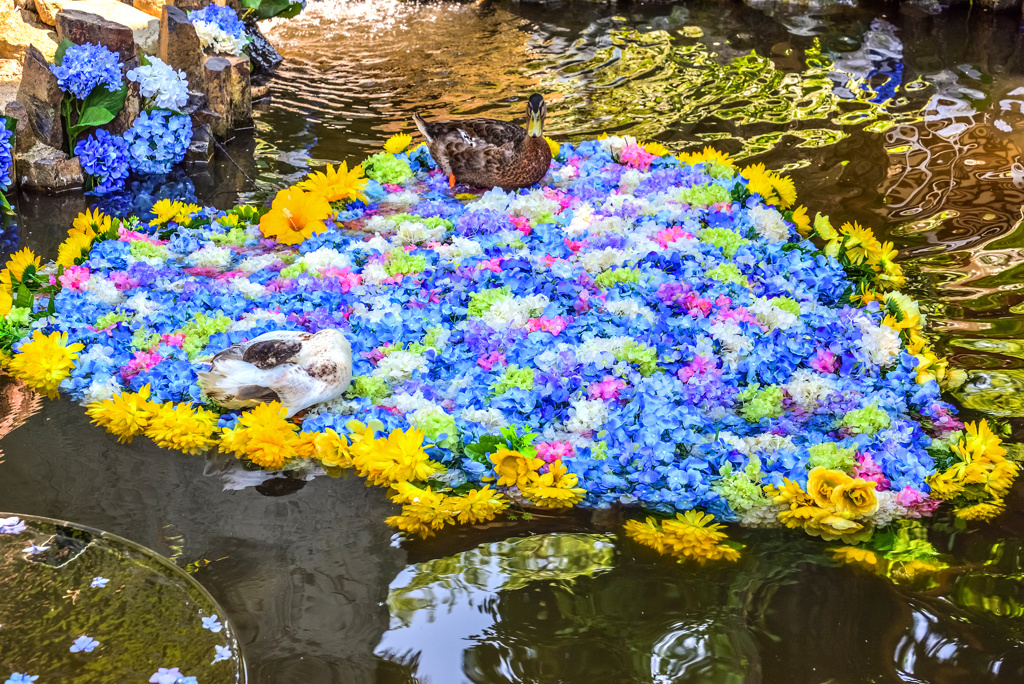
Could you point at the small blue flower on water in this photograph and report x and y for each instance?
(12, 525)
(223, 653)
(33, 549)
(19, 678)
(84, 643)
(99, 582)
(188, 680)
(166, 675)
(211, 624)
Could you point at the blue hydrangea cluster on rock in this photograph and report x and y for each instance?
(84, 67)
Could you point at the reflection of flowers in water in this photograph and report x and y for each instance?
(875, 68)
(141, 193)
(17, 404)
(10, 237)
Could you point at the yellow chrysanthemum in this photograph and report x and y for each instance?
(553, 146)
(75, 247)
(6, 302)
(18, 262)
(512, 468)
(708, 154)
(263, 436)
(44, 361)
(693, 535)
(856, 555)
(980, 442)
(182, 427)
(335, 185)
(295, 216)
(858, 242)
(478, 505)
(802, 221)
(328, 447)
(655, 148)
(397, 143)
(555, 488)
(166, 211)
(419, 519)
(400, 457)
(982, 511)
(125, 415)
(647, 533)
(91, 221)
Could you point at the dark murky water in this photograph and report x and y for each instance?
(906, 121)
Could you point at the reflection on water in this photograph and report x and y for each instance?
(903, 120)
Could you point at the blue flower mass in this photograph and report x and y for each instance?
(158, 140)
(6, 157)
(221, 16)
(86, 66)
(105, 157)
(660, 330)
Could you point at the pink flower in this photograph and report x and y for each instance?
(608, 388)
(698, 366)
(488, 362)
(202, 271)
(347, 279)
(173, 340)
(573, 245)
(555, 451)
(725, 207)
(740, 315)
(636, 157)
(130, 235)
(824, 361)
(228, 275)
(522, 224)
(916, 503)
(492, 265)
(143, 361)
(544, 324)
(670, 235)
(75, 278)
(122, 281)
(867, 469)
(391, 187)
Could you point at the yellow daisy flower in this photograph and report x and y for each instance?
(397, 143)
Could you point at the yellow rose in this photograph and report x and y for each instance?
(820, 483)
(855, 498)
(512, 468)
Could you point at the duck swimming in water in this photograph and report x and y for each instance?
(298, 369)
(487, 153)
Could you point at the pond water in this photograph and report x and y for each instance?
(906, 121)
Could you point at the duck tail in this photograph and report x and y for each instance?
(422, 125)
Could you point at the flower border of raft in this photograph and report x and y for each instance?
(671, 333)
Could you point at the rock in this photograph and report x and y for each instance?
(24, 136)
(179, 46)
(154, 8)
(21, 28)
(41, 97)
(190, 5)
(132, 106)
(117, 26)
(46, 169)
(240, 92)
(217, 75)
(201, 149)
(262, 54)
(29, 5)
(10, 77)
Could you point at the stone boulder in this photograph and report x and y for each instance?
(20, 28)
(46, 169)
(179, 46)
(114, 24)
(24, 136)
(41, 96)
(10, 77)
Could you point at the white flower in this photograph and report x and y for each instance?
(103, 290)
(217, 39)
(101, 389)
(212, 256)
(735, 344)
(772, 316)
(325, 257)
(491, 418)
(161, 84)
(257, 263)
(414, 233)
(404, 199)
(763, 516)
(630, 181)
(374, 273)
(888, 510)
(495, 199)
(879, 344)
(142, 305)
(769, 224)
(600, 351)
(630, 307)
(616, 143)
(514, 311)
(247, 288)
(768, 442)
(581, 218)
(809, 389)
(378, 242)
(255, 318)
(534, 205)
(410, 403)
(398, 366)
(603, 259)
(587, 415)
(379, 308)
(565, 174)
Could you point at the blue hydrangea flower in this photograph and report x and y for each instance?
(21, 678)
(105, 157)
(86, 66)
(99, 582)
(212, 624)
(222, 653)
(12, 525)
(6, 157)
(221, 16)
(84, 643)
(158, 140)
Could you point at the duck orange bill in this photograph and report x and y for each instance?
(451, 180)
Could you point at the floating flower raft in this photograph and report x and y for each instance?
(667, 333)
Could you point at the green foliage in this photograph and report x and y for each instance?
(400, 261)
(481, 302)
(266, 9)
(387, 168)
(374, 389)
(509, 439)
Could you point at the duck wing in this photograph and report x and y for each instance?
(477, 164)
(270, 353)
(479, 131)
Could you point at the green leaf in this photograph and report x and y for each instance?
(24, 298)
(11, 124)
(62, 47)
(5, 206)
(29, 273)
(100, 107)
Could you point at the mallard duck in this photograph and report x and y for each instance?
(297, 369)
(487, 153)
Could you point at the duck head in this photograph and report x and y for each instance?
(537, 109)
